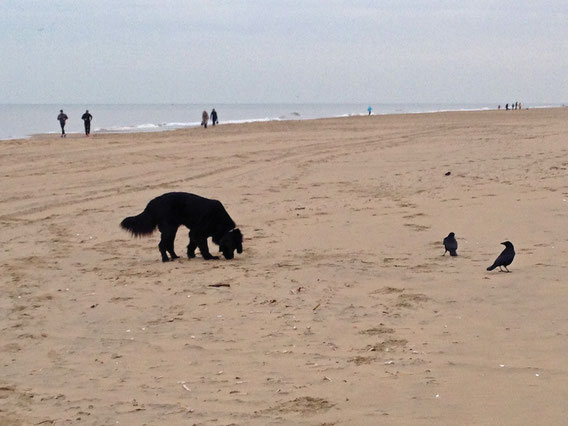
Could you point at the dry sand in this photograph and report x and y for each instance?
(341, 310)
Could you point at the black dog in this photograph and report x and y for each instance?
(203, 217)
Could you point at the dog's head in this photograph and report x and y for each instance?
(231, 241)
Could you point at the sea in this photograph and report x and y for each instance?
(24, 120)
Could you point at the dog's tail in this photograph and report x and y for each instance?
(140, 225)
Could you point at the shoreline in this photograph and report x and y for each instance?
(169, 127)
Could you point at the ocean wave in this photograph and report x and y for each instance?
(133, 128)
(175, 125)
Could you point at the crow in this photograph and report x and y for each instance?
(505, 258)
(450, 244)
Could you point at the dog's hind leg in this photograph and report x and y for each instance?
(167, 241)
(162, 248)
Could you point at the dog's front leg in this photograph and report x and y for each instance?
(204, 249)
(191, 247)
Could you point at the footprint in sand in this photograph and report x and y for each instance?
(416, 227)
(305, 405)
(407, 300)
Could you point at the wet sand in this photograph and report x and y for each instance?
(341, 310)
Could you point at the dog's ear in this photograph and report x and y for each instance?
(238, 240)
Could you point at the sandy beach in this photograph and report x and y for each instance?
(340, 311)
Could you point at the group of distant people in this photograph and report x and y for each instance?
(205, 118)
(86, 117)
(516, 105)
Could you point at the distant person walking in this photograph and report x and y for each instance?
(204, 119)
(62, 117)
(506, 107)
(370, 109)
(87, 120)
(214, 119)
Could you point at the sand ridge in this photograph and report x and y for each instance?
(341, 310)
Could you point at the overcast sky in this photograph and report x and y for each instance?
(231, 51)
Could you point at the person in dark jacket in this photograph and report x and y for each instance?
(87, 120)
(62, 117)
(214, 119)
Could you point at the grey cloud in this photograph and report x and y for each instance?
(283, 51)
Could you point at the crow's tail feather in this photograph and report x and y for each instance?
(140, 225)
(453, 253)
(492, 267)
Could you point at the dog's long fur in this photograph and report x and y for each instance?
(203, 217)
